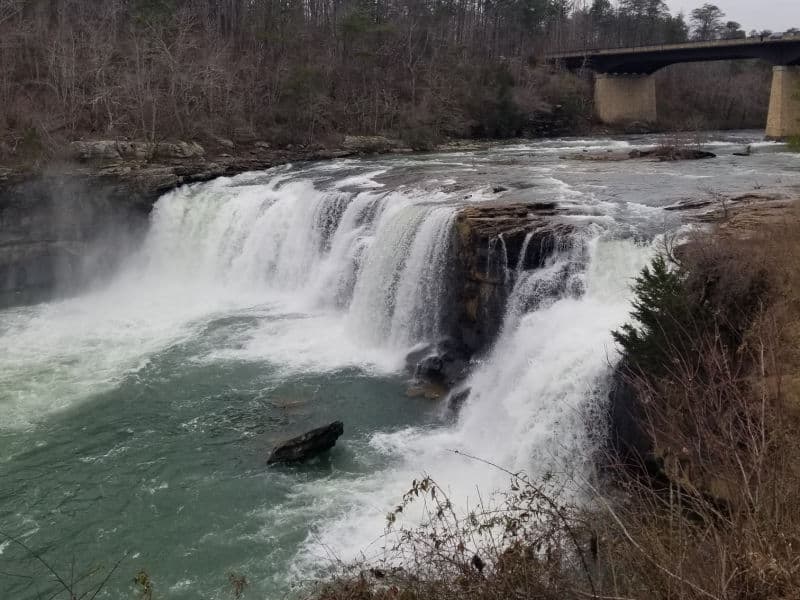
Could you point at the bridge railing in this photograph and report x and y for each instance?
(688, 45)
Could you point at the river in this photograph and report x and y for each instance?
(136, 417)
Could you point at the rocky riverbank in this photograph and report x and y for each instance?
(729, 299)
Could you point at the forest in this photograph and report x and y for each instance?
(307, 71)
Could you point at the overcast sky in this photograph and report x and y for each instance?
(776, 15)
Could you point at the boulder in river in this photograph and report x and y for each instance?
(670, 153)
(443, 363)
(660, 153)
(307, 445)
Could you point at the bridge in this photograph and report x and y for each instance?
(625, 88)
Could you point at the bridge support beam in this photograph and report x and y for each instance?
(620, 99)
(783, 120)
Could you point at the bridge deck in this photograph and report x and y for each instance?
(650, 58)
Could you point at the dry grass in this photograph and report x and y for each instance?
(722, 522)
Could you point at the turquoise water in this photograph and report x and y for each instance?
(136, 418)
(168, 469)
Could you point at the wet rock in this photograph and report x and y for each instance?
(493, 242)
(307, 445)
(431, 367)
(499, 188)
(662, 153)
(57, 232)
(457, 399)
(747, 151)
(429, 391)
(721, 205)
(689, 205)
(671, 153)
(443, 363)
(417, 354)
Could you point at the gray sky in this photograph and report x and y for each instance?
(776, 15)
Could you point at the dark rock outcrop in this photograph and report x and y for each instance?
(443, 363)
(631, 443)
(670, 153)
(58, 230)
(748, 150)
(307, 445)
(661, 153)
(493, 242)
(457, 398)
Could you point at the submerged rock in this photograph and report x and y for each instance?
(417, 354)
(307, 445)
(746, 152)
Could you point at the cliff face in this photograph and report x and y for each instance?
(51, 226)
(495, 241)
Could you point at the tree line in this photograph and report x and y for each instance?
(301, 70)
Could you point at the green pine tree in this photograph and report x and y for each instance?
(662, 316)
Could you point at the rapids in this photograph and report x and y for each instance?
(135, 418)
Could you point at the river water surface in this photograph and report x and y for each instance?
(136, 418)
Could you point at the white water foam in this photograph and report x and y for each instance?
(336, 277)
(527, 410)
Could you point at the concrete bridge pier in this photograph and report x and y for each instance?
(783, 120)
(625, 98)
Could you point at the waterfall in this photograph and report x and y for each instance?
(262, 305)
(338, 275)
(379, 256)
(532, 401)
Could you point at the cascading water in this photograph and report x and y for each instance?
(531, 405)
(237, 244)
(135, 419)
(313, 279)
(380, 254)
